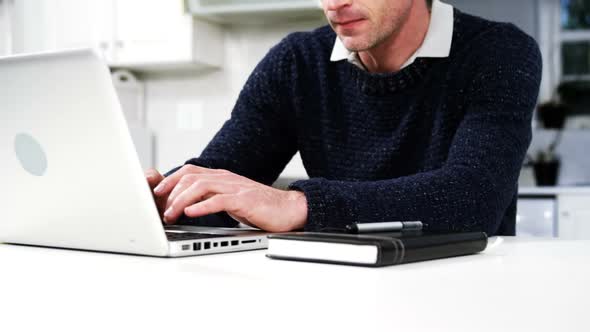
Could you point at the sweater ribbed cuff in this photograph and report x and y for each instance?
(316, 206)
(194, 161)
(172, 171)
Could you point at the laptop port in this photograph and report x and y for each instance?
(224, 243)
(207, 245)
(215, 244)
(248, 241)
(235, 242)
(197, 246)
(186, 247)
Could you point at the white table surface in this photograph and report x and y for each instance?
(521, 285)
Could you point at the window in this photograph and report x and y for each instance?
(575, 39)
(575, 14)
(563, 33)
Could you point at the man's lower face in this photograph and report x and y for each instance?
(351, 28)
(357, 37)
(362, 24)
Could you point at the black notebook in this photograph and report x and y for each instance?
(376, 249)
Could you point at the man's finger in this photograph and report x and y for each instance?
(166, 185)
(153, 177)
(193, 194)
(215, 204)
(187, 180)
(180, 187)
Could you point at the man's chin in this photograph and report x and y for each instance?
(354, 44)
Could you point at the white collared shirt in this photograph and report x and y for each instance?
(436, 44)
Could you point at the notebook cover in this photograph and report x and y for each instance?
(395, 248)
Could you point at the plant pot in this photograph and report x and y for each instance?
(546, 172)
(552, 115)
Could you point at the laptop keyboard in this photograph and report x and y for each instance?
(174, 236)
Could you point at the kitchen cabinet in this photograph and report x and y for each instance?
(77, 24)
(255, 11)
(160, 34)
(139, 35)
(562, 212)
(537, 217)
(574, 217)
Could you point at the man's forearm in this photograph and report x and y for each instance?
(444, 200)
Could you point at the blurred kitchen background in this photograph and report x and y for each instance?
(178, 67)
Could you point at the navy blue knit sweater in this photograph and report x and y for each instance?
(440, 141)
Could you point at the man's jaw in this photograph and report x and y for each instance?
(354, 44)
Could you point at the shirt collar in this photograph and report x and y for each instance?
(436, 44)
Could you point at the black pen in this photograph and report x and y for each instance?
(390, 226)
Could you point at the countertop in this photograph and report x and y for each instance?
(585, 190)
(520, 285)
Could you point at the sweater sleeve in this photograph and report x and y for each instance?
(475, 186)
(259, 139)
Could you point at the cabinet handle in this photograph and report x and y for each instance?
(119, 44)
(104, 46)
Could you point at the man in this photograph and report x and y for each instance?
(401, 110)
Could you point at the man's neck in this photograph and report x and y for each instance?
(391, 54)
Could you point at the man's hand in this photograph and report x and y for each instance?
(154, 178)
(197, 191)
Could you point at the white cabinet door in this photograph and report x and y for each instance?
(536, 217)
(84, 23)
(49, 25)
(155, 31)
(30, 26)
(574, 217)
(129, 33)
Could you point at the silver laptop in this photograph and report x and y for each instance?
(70, 175)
